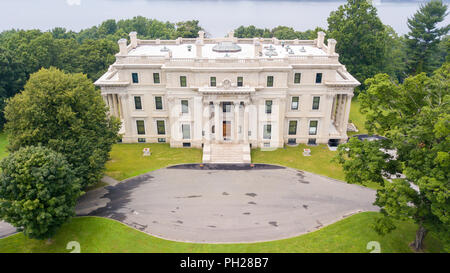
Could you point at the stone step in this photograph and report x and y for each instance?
(226, 153)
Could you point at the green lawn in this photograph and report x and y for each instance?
(319, 162)
(127, 160)
(104, 235)
(357, 118)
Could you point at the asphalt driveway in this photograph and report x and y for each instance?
(236, 204)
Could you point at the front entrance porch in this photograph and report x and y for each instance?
(227, 153)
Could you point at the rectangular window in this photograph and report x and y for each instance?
(292, 141)
(316, 102)
(297, 78)
(186, 128)
(135, 77)
(293, 127)
(140, 125)
(137, 103)
(158, 103)
(294, 103)
(183, 81)
(240, 81)
(269, 81)
(267, 134)
(156, 79)
(318, 77)
(212, 81)
(184, 106)
(141, 140)
(161, 140)
(268, 107)
(313, 127)
(311, 141)
(160, 125)
(186, 144)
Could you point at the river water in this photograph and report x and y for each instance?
(217, 16)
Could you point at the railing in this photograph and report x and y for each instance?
(204, 62)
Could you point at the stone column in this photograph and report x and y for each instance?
(119, 106)
(173, 121)
(342, 112)
(236, 122)
(125, 113)
(245, 131)
(197, 121)
(115, 103)
(110, 104)
(105, 99)
(206, 122)
(347, 113)
(325, 132)
(281, 121)
(217, 127)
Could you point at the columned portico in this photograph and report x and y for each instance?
(227, 120)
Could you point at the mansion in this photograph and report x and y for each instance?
(228, 95)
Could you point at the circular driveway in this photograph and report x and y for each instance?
(236, 204)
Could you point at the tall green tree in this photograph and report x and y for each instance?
(415, 117)
(424, 36)
(361, 38)
(38, 191)
(93, 57)
(188, 29)
(65, 113)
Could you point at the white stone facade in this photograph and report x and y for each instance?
(262, 92)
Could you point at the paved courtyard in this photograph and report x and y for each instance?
(237, 204)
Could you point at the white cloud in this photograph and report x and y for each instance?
(73, 2)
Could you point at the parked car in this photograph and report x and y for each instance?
(368, 137)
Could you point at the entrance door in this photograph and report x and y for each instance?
(226, 130)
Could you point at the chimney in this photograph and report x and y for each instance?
(331, 46)
(258, 47)
(123, 50)
(231, 34)
(201, 34)
(133, 38)
(198, 48)
(199, 44)
(320, 39)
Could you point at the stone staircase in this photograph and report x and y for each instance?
(226, 153)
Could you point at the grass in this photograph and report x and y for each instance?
(127, 160)
(104, 235)
(357, 118)
(319, 162)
